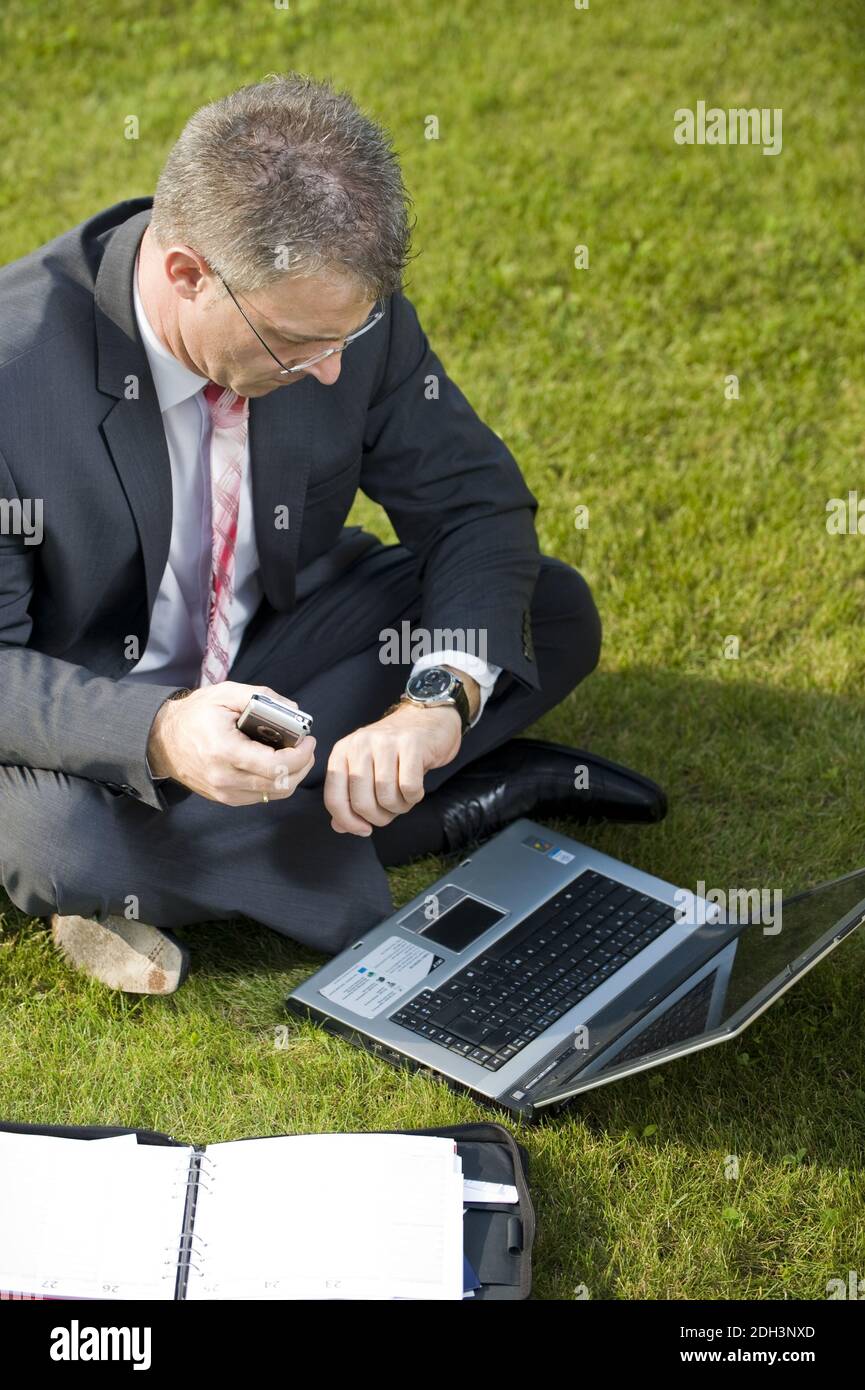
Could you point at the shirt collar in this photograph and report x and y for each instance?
(173, 381)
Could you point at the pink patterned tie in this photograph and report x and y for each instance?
(229, 414)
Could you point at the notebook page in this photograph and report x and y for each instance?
(342, 1216)
(90, 1218)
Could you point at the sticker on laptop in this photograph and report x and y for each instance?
(379, 979)
(542, 846)
(547, 848)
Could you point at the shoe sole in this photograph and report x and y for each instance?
(130, 956)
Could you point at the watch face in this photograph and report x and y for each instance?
(427, 685)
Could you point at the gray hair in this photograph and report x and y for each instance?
(286, 178)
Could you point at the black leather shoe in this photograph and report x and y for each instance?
(530, 776)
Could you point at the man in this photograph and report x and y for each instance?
(173, 541)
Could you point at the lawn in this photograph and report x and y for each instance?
(706, 521)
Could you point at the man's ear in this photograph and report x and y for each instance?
(187, 273)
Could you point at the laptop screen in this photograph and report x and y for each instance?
(726, 974)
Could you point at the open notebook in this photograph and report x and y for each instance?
(343, 1216)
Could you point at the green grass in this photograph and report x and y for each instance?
(707, 519)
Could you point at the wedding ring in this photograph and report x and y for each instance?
(264, 796)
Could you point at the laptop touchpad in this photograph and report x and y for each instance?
(460, 925)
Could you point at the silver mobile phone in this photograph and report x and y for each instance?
(273, 722)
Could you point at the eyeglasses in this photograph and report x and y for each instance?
(319, 356)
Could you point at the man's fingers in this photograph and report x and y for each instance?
(386, 785)
(240, 789)
(242, 765)
(288, 781)
(363, 782)
(249, 756)
(365, 789)
(274, 695)
(288, 774)
(410, 772)
(336, 799)
(236, 696)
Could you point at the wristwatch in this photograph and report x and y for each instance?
(438, 686)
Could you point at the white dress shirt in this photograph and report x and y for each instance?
(178, 626)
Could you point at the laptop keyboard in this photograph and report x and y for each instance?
(685, 1019)
(503, 1000)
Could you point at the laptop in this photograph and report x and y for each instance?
(540, 968)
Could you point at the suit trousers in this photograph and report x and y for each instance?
(70, 845)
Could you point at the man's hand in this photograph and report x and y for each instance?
(196, 741)
(376, 773)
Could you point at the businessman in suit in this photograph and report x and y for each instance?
(173, 540)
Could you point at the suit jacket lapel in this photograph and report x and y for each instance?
(133, 428)
(280, 451)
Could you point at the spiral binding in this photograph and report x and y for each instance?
(191, 1236)
(193, 1176)
(191, 1246)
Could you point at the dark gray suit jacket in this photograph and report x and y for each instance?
(81, 431)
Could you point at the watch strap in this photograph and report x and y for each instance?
(461, 700)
